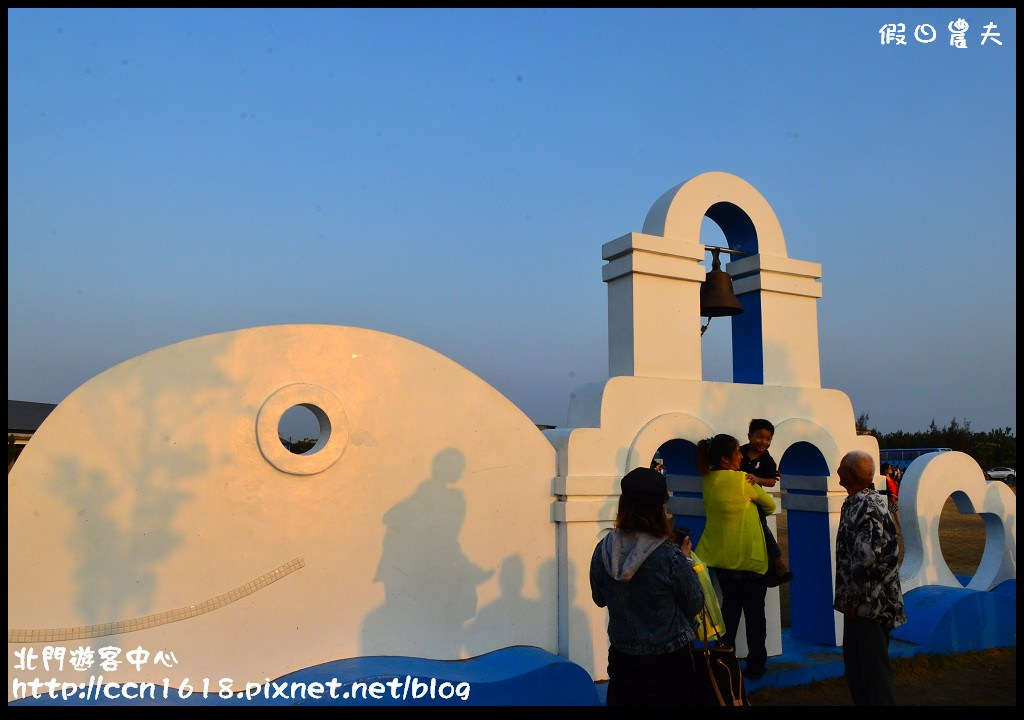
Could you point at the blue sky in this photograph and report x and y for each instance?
(449, 176)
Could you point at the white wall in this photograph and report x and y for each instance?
(422, 527)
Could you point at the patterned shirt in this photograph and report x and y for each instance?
(867, 554)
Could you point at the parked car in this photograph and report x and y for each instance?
(1007, 475)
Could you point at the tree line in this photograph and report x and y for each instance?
(989, 449)
(298, 446)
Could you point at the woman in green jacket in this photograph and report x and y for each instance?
(732, 543)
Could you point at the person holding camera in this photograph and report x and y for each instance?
(652, 594)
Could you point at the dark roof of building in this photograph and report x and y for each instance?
(26, 417)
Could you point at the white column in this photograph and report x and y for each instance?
(653, 306)
(775, 339)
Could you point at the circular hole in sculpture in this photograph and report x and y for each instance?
(303, 429)
(962, 539)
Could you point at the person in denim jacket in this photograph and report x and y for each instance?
(652, 594)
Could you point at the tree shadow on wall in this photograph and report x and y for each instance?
(118, 555)
(429, 583)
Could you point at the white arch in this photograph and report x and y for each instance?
(660, 430)
(794, 430)
(679, 212)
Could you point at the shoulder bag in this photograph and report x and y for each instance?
(719, 677)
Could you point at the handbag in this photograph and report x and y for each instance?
(719, 677)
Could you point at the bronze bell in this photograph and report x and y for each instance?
(716, 296)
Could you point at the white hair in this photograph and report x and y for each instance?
(860, 464)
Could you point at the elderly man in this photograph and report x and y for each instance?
(867, 583)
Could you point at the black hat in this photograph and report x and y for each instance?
(644, 484)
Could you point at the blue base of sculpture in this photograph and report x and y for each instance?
(519, 675)
(954, 620)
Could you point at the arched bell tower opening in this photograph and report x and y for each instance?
(716, 347)
(654, 283)
(736, 231)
